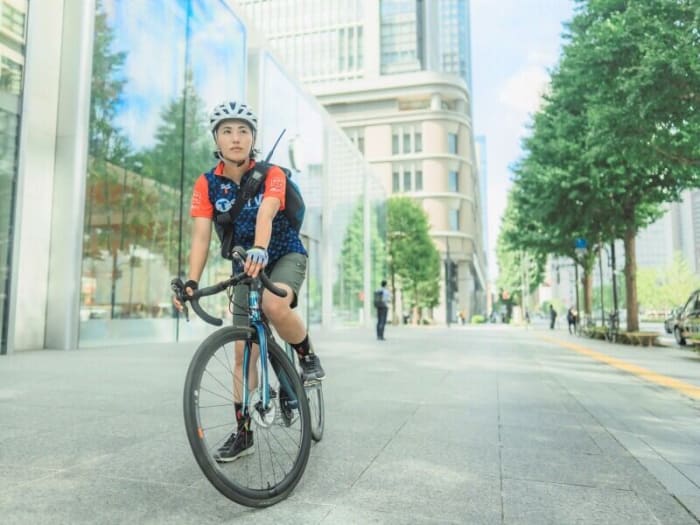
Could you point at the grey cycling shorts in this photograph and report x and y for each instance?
(289, 269)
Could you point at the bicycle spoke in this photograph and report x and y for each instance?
(230, 424)
(282, 451)
(230, 400)
(220, 383)
(215, 406)
(225, 364)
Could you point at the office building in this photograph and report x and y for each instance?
(395, 75)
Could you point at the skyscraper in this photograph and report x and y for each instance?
(396, 75)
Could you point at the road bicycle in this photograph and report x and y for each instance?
(284, 413)
(588, 327)
(612, 328)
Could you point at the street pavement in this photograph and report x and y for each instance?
(472, 425)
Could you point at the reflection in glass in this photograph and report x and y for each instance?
(12, 49)
(148, 143)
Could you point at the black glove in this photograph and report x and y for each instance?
(191, 284)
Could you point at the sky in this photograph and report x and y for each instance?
(515, 44)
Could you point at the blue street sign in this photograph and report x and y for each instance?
(580, 243)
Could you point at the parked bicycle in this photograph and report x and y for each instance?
(285, 414)
(588, 326)
(612, 328)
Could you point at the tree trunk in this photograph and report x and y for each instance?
(587, 292)
(631, 279)
(394, 317)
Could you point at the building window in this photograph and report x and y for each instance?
(452, 143)
(360, 54)
(406, 180)
(453, 182)
(454, 219)
(341, 50)
(13, 20)
(419, 180)
(357, 137)
(406, 142)
(351, 48)
(407, 177)
(10, 76)
(412, 105)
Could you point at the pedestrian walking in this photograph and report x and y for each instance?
(381, 302)
(552, 317)
(572, 318)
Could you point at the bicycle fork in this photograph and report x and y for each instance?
(263, 406)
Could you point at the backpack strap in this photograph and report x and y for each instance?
(246, 192)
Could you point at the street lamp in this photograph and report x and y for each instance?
(580, 248)
(611, 264)
(448, 283)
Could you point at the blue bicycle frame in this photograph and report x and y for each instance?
(257, 324)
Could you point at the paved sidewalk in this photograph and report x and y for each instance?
(464, 425)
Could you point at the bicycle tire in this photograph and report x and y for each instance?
(204, 436)
(314, 394)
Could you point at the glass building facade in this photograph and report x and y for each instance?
(148, 142)
(454, 39)
(133, 88)
(13, 23)
(318, 41)
(401, 33)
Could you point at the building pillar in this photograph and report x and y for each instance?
(52, 168)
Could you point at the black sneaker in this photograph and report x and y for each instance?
(311, 367)
(238, 445)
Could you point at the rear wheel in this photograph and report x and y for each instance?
(281, 445)
(314, 393)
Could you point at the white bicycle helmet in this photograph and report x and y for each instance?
(232, 110)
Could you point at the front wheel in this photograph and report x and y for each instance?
(270, 470)
(679, 336)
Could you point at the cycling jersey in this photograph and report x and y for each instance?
(214, 194)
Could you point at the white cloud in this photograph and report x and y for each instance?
(523, 91)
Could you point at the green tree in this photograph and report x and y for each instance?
(352, 253)
(608, 147)
(182, 151)
(414, 261)
(106, 142)
(183, 143)
(638, 62)
(520, 251)
(668, 287)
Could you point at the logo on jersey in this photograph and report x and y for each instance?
(254, 202)
(226, 187)
(222, 205)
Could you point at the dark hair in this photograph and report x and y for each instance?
(383, 283)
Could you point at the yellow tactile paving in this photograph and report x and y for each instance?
(689, 390)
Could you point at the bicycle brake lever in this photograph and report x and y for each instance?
(178, 287)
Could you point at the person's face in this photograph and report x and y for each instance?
(234, 138)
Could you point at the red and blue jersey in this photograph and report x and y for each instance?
(214, 194)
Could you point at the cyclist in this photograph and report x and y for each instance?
(272, 245)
